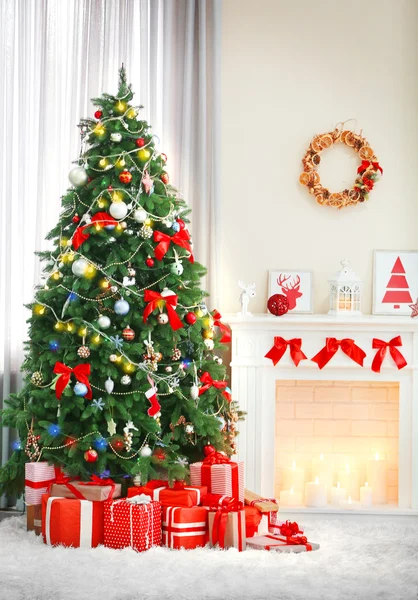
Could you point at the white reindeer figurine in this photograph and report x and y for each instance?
(248, 291)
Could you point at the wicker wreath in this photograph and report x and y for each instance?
(367, 173)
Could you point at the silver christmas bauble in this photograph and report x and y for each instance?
(103, 322)
(177, 268)
(137, 481)
(162, 319)
(140, 215)
(210, 344)
(113, 358)
(194, 392)
(78, 176)
(115, 137)
(169, 369)
(189, 429)
(109, 385)
(121, 307)
(145, 451)
(118, 210)
(125, 380)
(79, 267)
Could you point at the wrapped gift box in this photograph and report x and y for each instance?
(279, 544)
(225, 478)
(215, 500)
(185, 527)
(72, 522)
(256, 523)
(38, 477)
(131, 524)
(86, 491)
(186, 496)
(227, 529)
(264, 505)
(34, 518)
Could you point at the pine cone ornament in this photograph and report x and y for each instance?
(176, 354)
(146, 232)
(36, 378)
(83, 352)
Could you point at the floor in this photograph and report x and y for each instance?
(358, 560)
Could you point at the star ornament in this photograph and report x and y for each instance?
(111, 427)
(414, 308)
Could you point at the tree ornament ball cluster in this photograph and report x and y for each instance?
(367, 172)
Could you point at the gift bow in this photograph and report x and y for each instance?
(366, 164)
(394, 352)
(208, 382)
(279, 348)
(289, 529)
(224, 329)
(347, 345)
(299, 540)
(139, 499)
(181, 238)
(80, 237)
(81, 373)
(216, 458)
(154, 298)
(221, 519)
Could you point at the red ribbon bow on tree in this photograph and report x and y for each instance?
(181, 238)
(394, 352)
(101, 218)
(208, 382)
(366, 164)
(155, 300)
(347, 346)
(224, 329)
(279, 348)
(81, 373)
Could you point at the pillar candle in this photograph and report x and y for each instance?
(366, 495)
(350, 504)
(377, 477)
(323, 468)
(315, 494)
(290, 498)
(293, 477)
(337, 494)
(350, 481)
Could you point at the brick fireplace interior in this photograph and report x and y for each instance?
(347, 422)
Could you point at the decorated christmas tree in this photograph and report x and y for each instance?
(121, 372)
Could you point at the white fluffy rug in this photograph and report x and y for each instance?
(356, 562)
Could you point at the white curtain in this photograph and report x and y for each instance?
(55, 56)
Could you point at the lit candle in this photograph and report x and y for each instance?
(315, 494)
(323, 468)
(350, 504)
(337, 494)
(350, 481)
(293, 477)
(290, 498)
(366, 495)
(377, 477)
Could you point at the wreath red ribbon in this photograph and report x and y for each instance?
(154, 298)
(366, 164)
(280, 346)
(80, 237)
(381, 353)
(347, 345)
(81, 373)
(181, 238)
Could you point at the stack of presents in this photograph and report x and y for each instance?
(214, 509)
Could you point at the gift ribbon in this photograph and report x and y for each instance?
(220, 522)
(181, 238)
(154, 299)
(280, 346)
(381, 353)
(133, 502)
(208, 382)
(80, 237)
(95, 480)
(366, 164)
(81, 373)
(292, 541)
(224, 329)
(347, 345)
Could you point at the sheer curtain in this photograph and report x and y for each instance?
(57, 55)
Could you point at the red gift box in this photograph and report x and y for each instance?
(38, 476)
(131, 524)
(281, 544)
(77, 523)
(185, 527)
(225, 477)
(179, 495)
(95, 490)
(215, 500)
(253, 518)
(227, 528)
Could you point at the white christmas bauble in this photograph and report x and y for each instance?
(166, 292)
(177, 268)
(116, 137)
(189, 429)
(194, 392)
(118, 210)
(109, 385)
(103, 322)
(121, 307)
(162, 319)
(125, 380)
(79, 267)
(140, 215)
(78, 176)
(113, 358)
(145, 451)
(137, 481)
(210, 344)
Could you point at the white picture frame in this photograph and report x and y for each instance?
(395, 281)
(299, 286)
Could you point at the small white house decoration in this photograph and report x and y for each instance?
(345, 292)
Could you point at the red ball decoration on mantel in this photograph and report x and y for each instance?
(128, 334)
(125, 177)
(150, 262)
(190, 318)
(98, 114)
(165, 178)
(278, 305)
(159, 454)
(209, 449)
(140, 142)
(91, 456)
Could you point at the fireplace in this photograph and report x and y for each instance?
(344, 416)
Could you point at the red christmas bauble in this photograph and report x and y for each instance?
(91, 455)
(125, 177)
(209, 449)
(150, 262)
(98, 114)
(75, 218)
(128, 334)
(117, 444)
(190, 318)
(278, 305)
(181, 223)
(159, 454)
(140, 142)
(165, 178)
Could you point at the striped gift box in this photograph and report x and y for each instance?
(38, 476)
(185, 527)
(225, 478)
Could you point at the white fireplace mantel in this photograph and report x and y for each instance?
(254, 378)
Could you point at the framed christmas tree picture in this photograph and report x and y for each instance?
(395, 281)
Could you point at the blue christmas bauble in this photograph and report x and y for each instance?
(54, 430)
(54, 345)
(100, 443)
(17, 445)
(175, 226)
(80, 389)
(121, 307)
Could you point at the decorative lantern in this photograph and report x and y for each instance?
(345, 292)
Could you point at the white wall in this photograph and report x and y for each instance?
(291, 70)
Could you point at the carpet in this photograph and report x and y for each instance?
(357, 561)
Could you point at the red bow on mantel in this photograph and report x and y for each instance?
(154, 299)
(279, 348)
(224, 329)
(81, 373)
(366, 164)
(347, 345)
(394, 352)
(208, 382)
(181, 238)
(100, 218)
